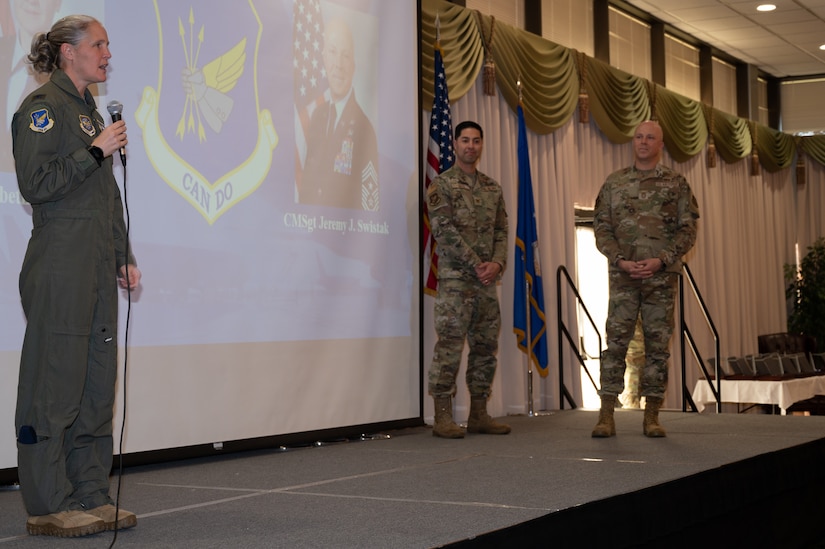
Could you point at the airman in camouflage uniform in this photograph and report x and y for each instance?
(644, 222)
(469, 224)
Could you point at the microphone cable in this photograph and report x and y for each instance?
(125, 358)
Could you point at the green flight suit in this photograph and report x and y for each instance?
(68, 288)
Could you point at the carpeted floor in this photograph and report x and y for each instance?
(409, 489)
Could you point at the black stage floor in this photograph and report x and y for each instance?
(724, 480)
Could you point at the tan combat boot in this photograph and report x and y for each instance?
(606, 427)
(481, 422)
(65, 524)
(125, 519)
(444, 426)
(651, 427)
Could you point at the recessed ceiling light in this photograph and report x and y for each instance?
(765, 7)
(822, 47)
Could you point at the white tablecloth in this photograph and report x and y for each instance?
(782, 393)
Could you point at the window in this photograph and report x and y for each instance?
(568, 23)
(724, 86)
(682, 68)
(802, 106)
(505, 11)
(629, 44)
(762, 101)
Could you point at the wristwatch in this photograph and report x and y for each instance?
(97, 154)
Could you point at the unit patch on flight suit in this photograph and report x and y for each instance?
(87, 126)
(41, 121)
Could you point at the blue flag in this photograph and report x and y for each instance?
(528, 265)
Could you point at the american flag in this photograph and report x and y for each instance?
(439, 158)
(308, 74)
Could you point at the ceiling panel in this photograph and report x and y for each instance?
(692, 13)
(723, 24)
(778, 17)
(802, 28)
(783, 43)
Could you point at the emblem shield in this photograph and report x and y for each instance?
(203, 129)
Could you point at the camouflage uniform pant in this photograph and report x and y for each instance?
(651, 299)
(635, 363)
(465, 310)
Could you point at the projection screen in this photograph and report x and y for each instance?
(277, 236)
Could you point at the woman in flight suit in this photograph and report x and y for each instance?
(68, 286)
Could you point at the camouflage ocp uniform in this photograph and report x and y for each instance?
(469, 223)
(635, 363)
(642, 214)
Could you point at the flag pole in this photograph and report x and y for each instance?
(527, 289)
(528, 318)
(528, 322)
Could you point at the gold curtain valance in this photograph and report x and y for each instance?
(776, 149)
(618, 100)
(547, 71)
(814, 146)
(461, 48)
(552, 77)
(731, 136)
(684, 124)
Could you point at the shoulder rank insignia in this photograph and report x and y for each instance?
(87, 126)
(41, 121)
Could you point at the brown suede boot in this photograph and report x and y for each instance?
(606, 427)
(481, 422)
(444, 426)
(651, 427)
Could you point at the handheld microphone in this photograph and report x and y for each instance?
(115, 109)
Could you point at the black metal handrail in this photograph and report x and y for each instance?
(685, 334)
(563, 331)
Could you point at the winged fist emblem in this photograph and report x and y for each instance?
(207, 89)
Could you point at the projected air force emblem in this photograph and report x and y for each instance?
(206, 100)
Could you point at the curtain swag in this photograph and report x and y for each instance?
(554, 77)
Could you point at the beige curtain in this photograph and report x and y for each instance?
(810, 199)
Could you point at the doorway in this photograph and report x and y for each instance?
(592, 283)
